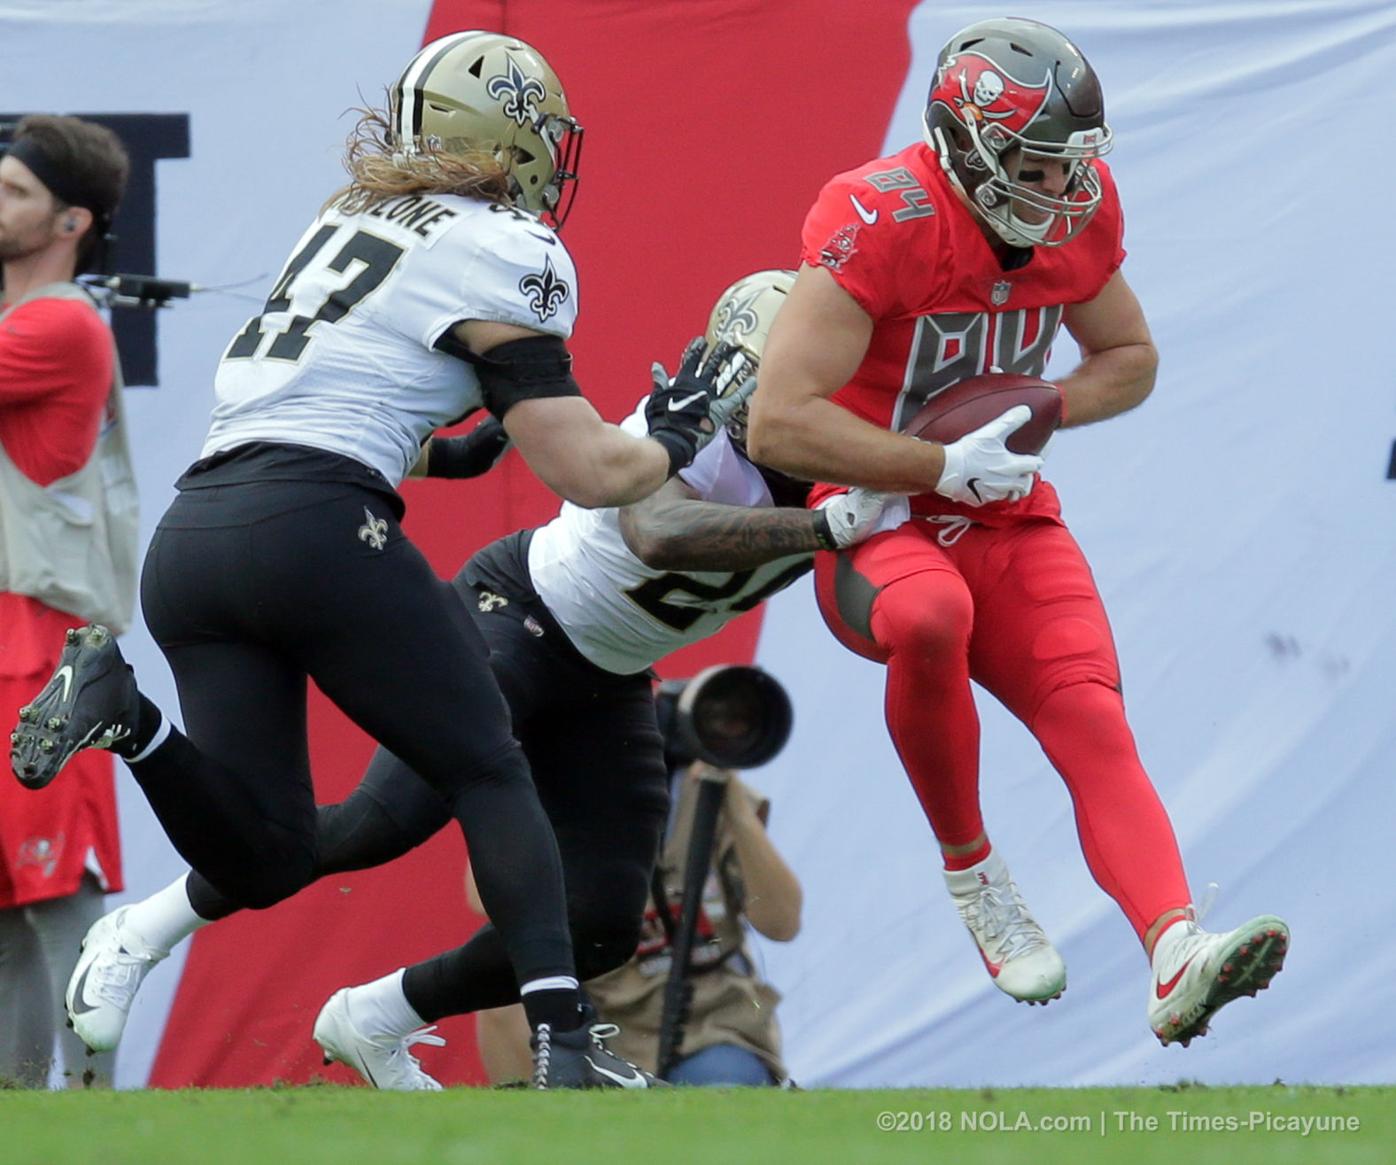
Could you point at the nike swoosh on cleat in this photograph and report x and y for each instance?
(675, 405)
(78, 1006)
(868, 216)
(65, 673)
(1164, 989)
(634, 1080)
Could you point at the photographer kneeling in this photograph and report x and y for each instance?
(725, 1030)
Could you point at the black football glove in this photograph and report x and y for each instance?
(470, 455)
(686, 411)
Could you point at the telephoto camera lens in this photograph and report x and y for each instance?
(732, 716)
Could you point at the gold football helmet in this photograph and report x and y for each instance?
(486, 91)
(743, 316)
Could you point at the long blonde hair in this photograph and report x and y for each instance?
(379, 171)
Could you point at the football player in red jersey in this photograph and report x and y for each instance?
(944, 261)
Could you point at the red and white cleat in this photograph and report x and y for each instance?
(1195, 973)
(1016, 951)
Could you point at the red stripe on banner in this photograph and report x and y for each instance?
(711, 126)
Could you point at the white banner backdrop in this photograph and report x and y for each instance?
(1240, 525)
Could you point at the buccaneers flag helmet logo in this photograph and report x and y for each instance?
(979, 89)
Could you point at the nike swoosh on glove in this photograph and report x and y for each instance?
(686, 411)
(979, 468)
(849, 518)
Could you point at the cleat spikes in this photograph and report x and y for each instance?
(28, 713)
(55, 723)
(70, 637)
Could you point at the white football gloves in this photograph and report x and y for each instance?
(857, 515)
(979, 468)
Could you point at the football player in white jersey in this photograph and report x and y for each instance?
(574, 613)
(432, 285)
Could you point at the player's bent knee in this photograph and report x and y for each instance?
(1087, 705)
(907, 618)
(507, 767)
(279, 872)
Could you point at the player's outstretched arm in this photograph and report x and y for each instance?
(526, 379)
(816, 345)
(675, 530)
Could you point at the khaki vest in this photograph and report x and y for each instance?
(72, 544)
(731, 1003)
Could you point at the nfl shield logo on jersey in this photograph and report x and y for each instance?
(1000, 292)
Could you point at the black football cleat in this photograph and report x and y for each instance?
(91, 702)
(580, 1059)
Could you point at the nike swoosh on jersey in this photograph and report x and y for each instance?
(973, 486)
(634, 1080)
(868, 216)
(675, 405)
(549, 239)
(1164, 989)
(65, 673)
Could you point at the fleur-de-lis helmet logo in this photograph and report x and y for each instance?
(737, 318)
(516, 93)
(546, 293)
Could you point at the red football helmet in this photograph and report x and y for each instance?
(1012, 84)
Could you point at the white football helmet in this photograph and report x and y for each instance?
(486, 91)
(743, 316)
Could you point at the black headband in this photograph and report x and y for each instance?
(61, 184)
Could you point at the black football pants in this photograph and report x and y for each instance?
(598, 762)
(248, 589)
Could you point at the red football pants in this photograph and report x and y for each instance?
(1016, 610)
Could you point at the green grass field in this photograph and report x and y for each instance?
(306, 1126)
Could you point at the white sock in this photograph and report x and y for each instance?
(162, 734)
(380, 1008)
(165, 918)
(553, 983)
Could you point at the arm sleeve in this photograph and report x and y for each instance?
(48, 345)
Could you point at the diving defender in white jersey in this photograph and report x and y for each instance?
(574, 613)
(432, 285)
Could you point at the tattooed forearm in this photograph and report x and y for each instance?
(710, 536)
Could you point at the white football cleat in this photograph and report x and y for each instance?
(382, 1059)
(113, 964)
(1016, 951)
(1196, 972)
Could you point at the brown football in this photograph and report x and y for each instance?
(965, 406)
